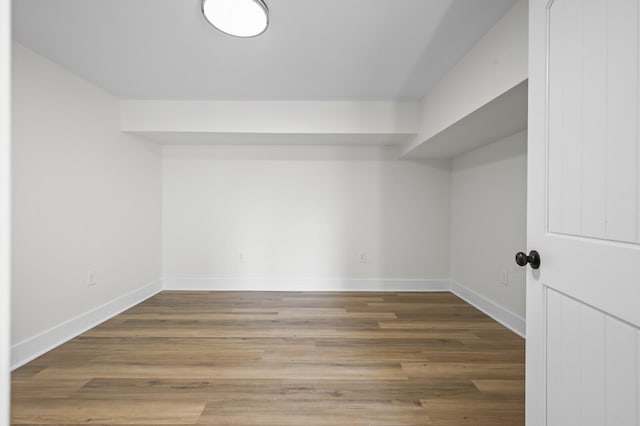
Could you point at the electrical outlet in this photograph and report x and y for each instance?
(504, 279)
(363, 257)
(91, 277)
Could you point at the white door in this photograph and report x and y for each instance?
(583, 304)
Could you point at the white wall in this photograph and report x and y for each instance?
(85, 196)
(256, 212)
(5, 209)
(497, 63)
(488, 198)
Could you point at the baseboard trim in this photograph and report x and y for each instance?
(507, 318)
(304, 284)
(30, 349)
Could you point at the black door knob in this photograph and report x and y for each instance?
(532, 259)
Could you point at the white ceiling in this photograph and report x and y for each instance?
(317, 50)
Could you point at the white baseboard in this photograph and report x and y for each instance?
(28, 350)
(304, 284)
(510, 320)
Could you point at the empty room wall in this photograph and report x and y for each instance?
(85, 196)
(488, 198)
(297, 220)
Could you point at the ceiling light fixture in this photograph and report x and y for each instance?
(239, 18)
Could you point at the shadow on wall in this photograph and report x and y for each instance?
(489, 199)
(414, 208)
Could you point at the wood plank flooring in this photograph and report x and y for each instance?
(254, 358)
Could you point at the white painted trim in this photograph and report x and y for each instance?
(304, 284)
(28, 350)
(5, 207)
(507, 318)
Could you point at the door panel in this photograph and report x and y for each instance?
(638, 376)
(593, 119)
(621, 366)
(593, 374)
(565, 118)
(594, 107)
(592, 365)
(622, 119)
(564, 346)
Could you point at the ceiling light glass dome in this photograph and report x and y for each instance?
(239, 18)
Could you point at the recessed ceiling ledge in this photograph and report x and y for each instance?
(373, 123)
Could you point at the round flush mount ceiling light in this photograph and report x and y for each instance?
(240, 18)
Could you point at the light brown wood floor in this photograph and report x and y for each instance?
(246, 358)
